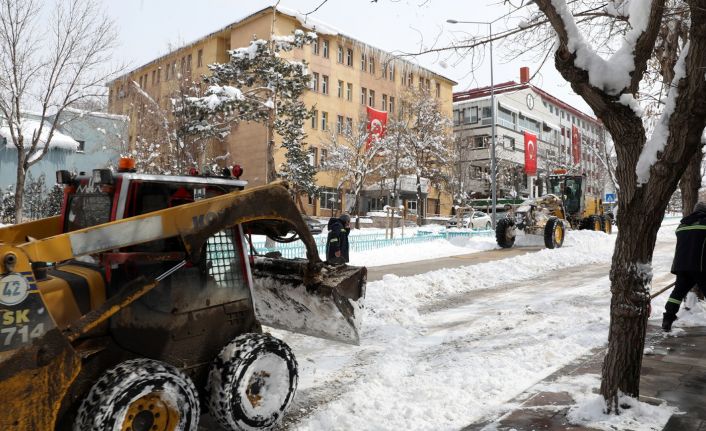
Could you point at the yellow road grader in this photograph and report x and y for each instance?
(565, 206)
(141, 306)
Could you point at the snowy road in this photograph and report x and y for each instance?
(443, 349)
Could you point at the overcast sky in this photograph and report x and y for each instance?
(147, 27)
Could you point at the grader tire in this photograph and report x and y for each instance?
(596, 224)
(501, 233)
(554, 233)
(607, 225)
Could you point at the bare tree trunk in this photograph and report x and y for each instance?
(271, 171)
(20, 185)
(690, 183)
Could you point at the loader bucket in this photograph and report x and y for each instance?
(34, 380)
(328, 305)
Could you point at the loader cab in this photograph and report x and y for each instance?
(570, 189)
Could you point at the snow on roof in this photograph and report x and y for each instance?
(29, 127)
(83, 112)
(306, 22)
(310, 23)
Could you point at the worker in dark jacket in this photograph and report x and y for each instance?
(689, 262)
(337, 241)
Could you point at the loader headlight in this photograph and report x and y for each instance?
(9, 262)
(102, 176)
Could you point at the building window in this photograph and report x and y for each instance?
(182, 66)
(438, 90)
(349, 92)
(349, 124)
(410, 80)
(166, 76)
(314, 118)
(324, 84)
(480, 141)
(329, 198)
(340, 89)
(339, 56)
(392, 105)
(427, 84)
(154, 77)
(371, 64)
(349, 57)
(188, 63)
(324, 120)
(324, 155)
(371, 98)
(315, 47)
(391, 72)
(199, 58)
(159, 74)
(312, 156)
(315, 81)
(363, 95)
(412, 206)
(339, 124)
(81, 146)
(363, 62)
(384, 102)
(325, 49)
(509, 142)
(174, 69)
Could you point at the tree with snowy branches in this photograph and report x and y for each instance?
(639, 65)
(47, 66)
(260, 85)
(352, 154)
(428, 143)
(172, 139)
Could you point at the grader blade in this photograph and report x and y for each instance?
(327, 304)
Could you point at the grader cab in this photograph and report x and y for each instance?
(144, 300)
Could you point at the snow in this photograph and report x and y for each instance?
(82, 112)
(446, 348)
(310, 23)
(612, 75)
(30, 127)
(630, 101)
(658, 140)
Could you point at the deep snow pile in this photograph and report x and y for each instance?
(444, 349)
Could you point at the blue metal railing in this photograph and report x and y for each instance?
(367, 242)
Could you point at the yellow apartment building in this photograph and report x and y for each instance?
(347, 75)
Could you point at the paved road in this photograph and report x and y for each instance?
(422, 266)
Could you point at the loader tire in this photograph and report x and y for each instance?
(140, 395)
(502, 233)
(607, 225)
(554, 233)
(252, 382)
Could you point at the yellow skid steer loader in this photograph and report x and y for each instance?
(141, 305)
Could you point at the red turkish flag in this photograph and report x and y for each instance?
(576, 144)
(530, 153)
(377, 120)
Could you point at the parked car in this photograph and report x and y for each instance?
(476, 220)
(315, 226)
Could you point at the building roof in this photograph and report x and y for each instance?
(305, 21)
(510, 86)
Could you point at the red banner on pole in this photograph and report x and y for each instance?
(530, 153)
(576, 144)
(377, 120)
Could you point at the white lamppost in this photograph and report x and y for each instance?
(493, 161)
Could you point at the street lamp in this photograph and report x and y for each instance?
(493, 161)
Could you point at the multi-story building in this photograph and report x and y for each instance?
(347, 75)
(524, 107)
